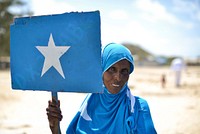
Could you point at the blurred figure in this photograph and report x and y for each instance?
(177, 65)
(163, 80)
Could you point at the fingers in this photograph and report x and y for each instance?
(54, 102)
(53, 110)
(54, 113)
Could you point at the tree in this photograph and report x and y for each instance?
(6, 18)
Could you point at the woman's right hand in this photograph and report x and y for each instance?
(54, 115)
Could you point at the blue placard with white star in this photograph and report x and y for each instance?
(58, 53)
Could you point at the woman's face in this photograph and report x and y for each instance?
(116, 76)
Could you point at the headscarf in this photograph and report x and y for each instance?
(112, 53)
(106, 112)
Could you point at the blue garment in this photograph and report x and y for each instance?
(107, 113)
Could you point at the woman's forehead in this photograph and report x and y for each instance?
(124, 63)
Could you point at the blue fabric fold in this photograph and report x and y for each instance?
(108, 113)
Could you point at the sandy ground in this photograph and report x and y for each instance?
(174, 110)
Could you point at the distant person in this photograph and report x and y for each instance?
(116, 110)
(177, 65)
(163, 80)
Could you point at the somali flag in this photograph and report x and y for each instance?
(58, 53)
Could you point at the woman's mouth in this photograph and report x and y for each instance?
(115, 85)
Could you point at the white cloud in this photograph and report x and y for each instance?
(191, 9)
(198, 15)
(127, 26)
(45, 7)
(146, 37)
(119, 14)
(154, 11)
(134, 32)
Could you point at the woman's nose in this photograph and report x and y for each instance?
(117, 76)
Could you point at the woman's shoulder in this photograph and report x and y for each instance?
(143, 104)
(140, 99)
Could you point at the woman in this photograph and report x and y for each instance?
(116, 111)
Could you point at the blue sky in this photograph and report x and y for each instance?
(163, 27)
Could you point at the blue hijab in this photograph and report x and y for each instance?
(107, 113)
(112, 53)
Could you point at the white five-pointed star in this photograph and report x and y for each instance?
(52, 54)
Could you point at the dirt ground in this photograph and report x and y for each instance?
(174, 110)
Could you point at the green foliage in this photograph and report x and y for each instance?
(137, 50)
(6, 18)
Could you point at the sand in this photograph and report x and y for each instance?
(174, 110)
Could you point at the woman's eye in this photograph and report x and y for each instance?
(111, 69)
(125, 72)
